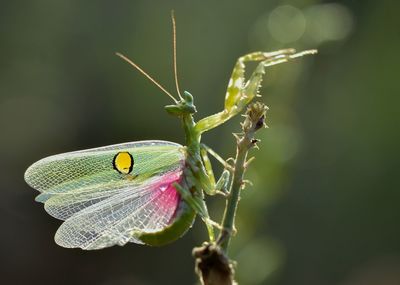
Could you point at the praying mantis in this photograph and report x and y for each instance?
(146, 192)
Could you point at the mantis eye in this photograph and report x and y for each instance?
(123, 162)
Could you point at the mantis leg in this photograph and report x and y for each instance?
(199, 206)
(215, 155)
(219, 187)
(202, 176)
(241, 92)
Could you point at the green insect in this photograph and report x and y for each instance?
(146, 192)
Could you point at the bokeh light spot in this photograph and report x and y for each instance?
(286, 24)
(328, 22)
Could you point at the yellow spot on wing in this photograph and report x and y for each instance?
(123, 162)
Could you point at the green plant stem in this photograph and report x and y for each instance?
(213, 265)
(228, 221)
(255, 116)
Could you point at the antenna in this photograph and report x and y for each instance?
(147, 75)
(174, 48)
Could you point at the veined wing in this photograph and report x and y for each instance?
(72, 181)
(147, 208)
(101, 206)
(92, 166)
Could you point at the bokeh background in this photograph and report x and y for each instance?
(324, 208)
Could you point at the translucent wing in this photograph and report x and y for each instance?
(145, 208)
(101, 206)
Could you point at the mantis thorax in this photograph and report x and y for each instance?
(184, 109)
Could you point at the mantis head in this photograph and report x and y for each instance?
(184, 106)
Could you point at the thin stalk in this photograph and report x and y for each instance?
(213, 265)
(228, 221)
(255, 117)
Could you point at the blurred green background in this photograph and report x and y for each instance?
(324, 208)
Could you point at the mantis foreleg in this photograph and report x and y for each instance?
(239, 92)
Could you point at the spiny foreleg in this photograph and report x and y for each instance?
(241, 92)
